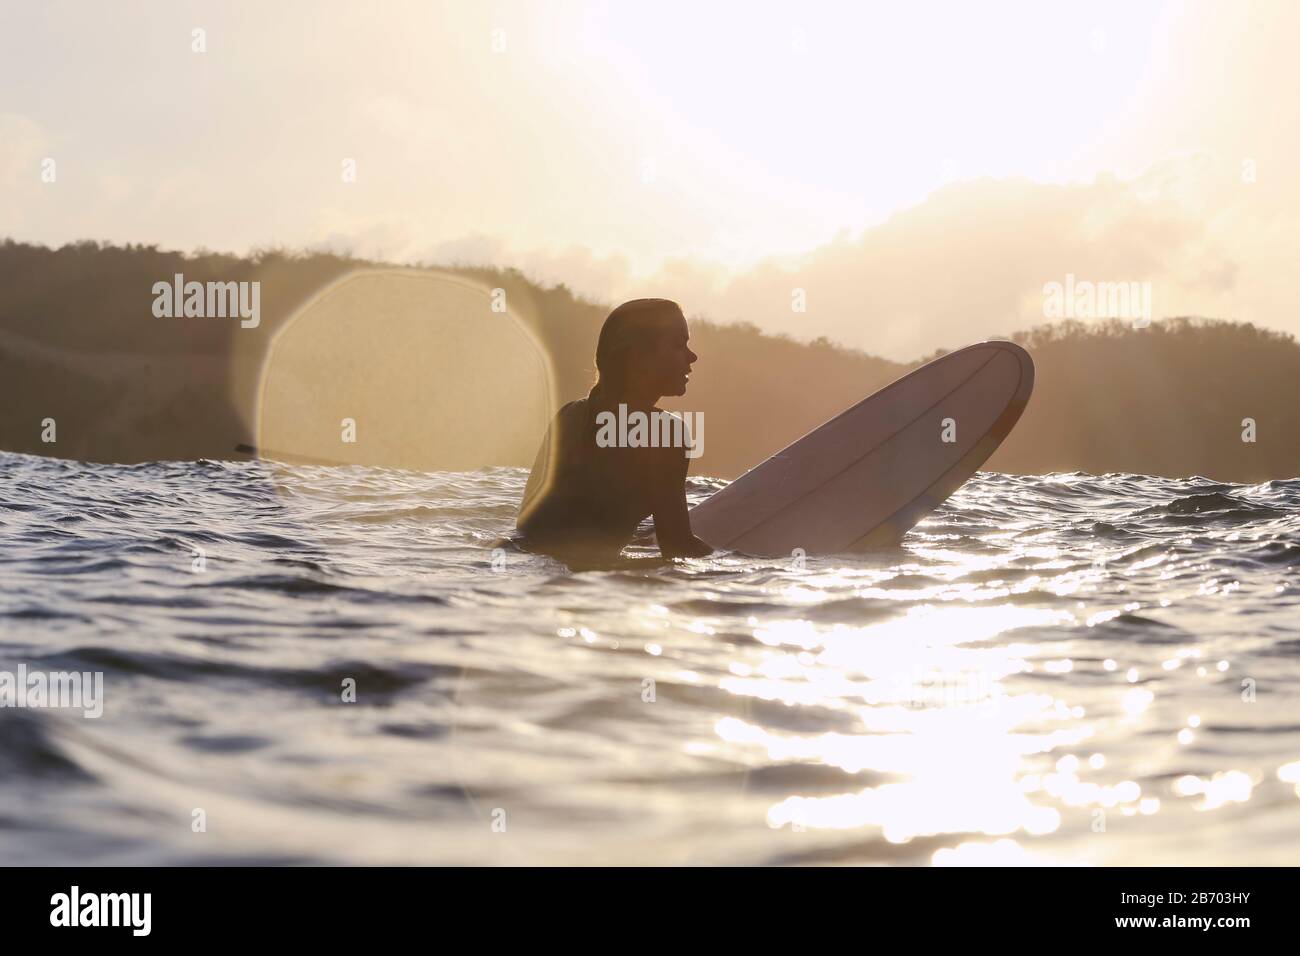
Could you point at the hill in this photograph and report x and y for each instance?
(79, 343)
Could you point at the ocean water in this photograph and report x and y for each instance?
(1061, 669)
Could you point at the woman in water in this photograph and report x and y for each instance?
(585, 497)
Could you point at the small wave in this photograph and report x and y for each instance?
(1216, 505)
(28, 750)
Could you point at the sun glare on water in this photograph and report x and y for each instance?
(962, 717)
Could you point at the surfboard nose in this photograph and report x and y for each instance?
(1026, 361)
(869, 474)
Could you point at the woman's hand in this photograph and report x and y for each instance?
(693, 547)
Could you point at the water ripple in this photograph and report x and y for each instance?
(345, 665)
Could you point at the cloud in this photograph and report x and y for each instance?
(971, 261)
(26, 144)
(968, 263)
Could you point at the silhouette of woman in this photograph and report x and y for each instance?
(584, 497)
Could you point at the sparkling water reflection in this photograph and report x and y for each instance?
(1065, 669)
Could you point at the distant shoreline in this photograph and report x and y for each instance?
(79, 346)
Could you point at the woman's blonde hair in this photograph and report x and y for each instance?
(629, 327)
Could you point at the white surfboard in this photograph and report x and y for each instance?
(866, 477)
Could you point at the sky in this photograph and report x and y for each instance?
(913, 175)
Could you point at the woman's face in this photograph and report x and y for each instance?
(668, 361)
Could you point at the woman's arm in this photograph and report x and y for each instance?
(672, 520)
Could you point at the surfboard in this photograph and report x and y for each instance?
(863, 479)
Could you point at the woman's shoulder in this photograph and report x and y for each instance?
(572, 414)
(571, 423)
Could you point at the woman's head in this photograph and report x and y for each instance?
(644, 350)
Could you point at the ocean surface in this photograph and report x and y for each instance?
(338, 666)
